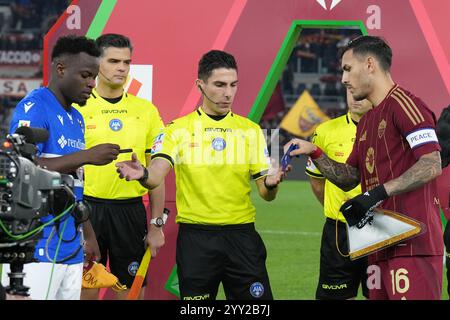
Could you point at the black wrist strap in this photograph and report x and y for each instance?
(144, 177)
(269, 187)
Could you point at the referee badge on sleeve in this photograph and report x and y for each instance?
(157, 144)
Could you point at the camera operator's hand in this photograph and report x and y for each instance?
(102, 154)
(91, 248)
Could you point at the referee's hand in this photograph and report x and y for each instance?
(275, 174)
(155, 239)
(131, 169)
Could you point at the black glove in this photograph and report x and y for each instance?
(358, 211)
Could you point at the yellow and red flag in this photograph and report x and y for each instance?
(304, 116)
(140, 276)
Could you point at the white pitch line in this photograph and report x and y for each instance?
(296, 233)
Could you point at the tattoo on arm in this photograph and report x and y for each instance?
(341, 174)
(424, 170)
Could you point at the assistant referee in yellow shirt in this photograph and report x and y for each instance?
(215, 153)
(118, 214)
(339, 276)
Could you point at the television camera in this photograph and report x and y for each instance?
(28, 192)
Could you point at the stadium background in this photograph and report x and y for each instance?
(285, 49)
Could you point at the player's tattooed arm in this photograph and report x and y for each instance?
(424, 170)
(341, 174)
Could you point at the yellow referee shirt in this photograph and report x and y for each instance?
(132, 123)
(335, 137)
(214, 161)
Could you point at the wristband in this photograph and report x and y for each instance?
(317, 153)
(144, 177)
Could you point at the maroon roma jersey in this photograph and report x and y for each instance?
(390, 139)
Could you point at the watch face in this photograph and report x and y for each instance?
(159, 222)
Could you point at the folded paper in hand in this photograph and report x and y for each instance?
(386, 229)
(95, 276)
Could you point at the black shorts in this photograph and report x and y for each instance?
(234, 255)
(120, 227)
(339, 277)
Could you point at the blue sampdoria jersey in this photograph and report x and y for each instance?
(41, 109)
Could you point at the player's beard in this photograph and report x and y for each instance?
(360, 96)
(363, 92)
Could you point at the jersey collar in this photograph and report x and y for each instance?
(387, 95)
(349, 119)
(201, 112)
(96, 95)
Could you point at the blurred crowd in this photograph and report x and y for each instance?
(314, 65)
(23, 24)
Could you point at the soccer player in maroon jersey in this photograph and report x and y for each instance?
(396, 159)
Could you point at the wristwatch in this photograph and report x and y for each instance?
(160, 221)
(144, 177)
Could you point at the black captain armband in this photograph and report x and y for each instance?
(269, 187)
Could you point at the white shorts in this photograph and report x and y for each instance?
(65, 282)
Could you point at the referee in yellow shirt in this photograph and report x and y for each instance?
(339, 276)
(118, 213)
(215, 153)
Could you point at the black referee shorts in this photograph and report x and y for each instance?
(121, 228)
(234, 255)
(339, 277)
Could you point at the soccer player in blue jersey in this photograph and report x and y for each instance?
(74, 69)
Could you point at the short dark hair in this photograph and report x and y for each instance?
(113, 40)
(215, 59)
(74, 45)
(377, 46)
